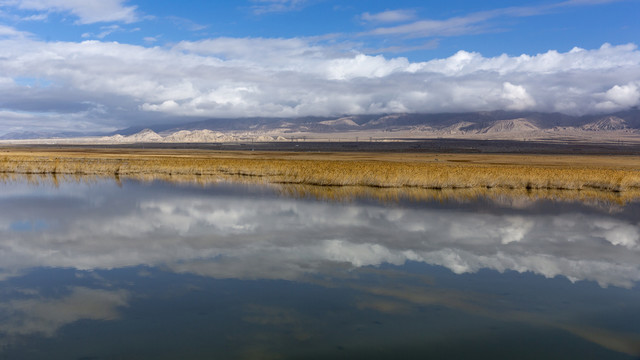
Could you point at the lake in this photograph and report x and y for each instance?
(103, 269)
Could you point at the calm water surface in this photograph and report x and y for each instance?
(101, 270)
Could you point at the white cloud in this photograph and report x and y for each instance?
(364, 66)
(390, 16)
(87, 11)
(185, 23)
(429, 28)
(517, 97)
(625, 95)
(473, 23)
(274, 6)
(9, 32)
(106, 31)
(36, 17)
(619, 97)
(229, 77)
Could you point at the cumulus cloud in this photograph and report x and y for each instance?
(517, 97)
(88, 11)
(241, 77)
(624, 96)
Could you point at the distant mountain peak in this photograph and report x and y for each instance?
(607, 123)
(513, 125)
(146, 135)
(343, 121)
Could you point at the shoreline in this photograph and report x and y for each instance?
(607, 173)
(404, 145)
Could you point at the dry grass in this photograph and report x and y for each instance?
(427, 171)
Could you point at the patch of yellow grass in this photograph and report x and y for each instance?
(428, 171)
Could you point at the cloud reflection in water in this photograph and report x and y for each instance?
(249, 233)
(217, 231)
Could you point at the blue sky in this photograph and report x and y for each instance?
(488, 27)
(107, 64)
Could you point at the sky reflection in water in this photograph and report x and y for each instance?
(236, 271)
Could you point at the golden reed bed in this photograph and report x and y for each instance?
(472, 172)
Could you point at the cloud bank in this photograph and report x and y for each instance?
(103, 83)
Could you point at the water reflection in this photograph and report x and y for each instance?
(284, 272)
(215, 231)
(37, 313)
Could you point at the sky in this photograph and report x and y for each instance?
(103, 65)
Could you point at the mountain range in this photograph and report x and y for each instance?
(392, 122)
(485, 125)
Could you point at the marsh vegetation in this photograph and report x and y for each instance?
(617, 174)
